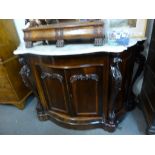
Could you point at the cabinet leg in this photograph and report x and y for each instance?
(28, 44)
(98, 41)
(42, 116)
(60, 43)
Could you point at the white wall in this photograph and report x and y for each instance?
(20, 24)
(148, 35)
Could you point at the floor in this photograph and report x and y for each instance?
(25, 122)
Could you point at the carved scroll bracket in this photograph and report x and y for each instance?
(116, 81)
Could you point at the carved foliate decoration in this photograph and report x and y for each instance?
(116, 82)
(116, 74)
(22, 61)
(26, 75)
(51, 75)
(84, 77)
(25, 71)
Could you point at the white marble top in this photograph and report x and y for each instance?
(72, 49)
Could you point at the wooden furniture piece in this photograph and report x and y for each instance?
(147, 95)
(89, 87)
(12, 88)
(60, 32)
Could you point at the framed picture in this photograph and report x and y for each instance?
(136, 27)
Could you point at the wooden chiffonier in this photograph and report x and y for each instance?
(12, 88)
(80, 86)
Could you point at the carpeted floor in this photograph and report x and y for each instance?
(25, 122)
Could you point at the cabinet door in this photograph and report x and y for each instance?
(54, 88)
(86, 90)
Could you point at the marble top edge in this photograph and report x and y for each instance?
(72, 49)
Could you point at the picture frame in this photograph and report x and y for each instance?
(136, 27)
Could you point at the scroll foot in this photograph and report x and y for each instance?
(98, 41)
(28, 44)
(60, 43)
